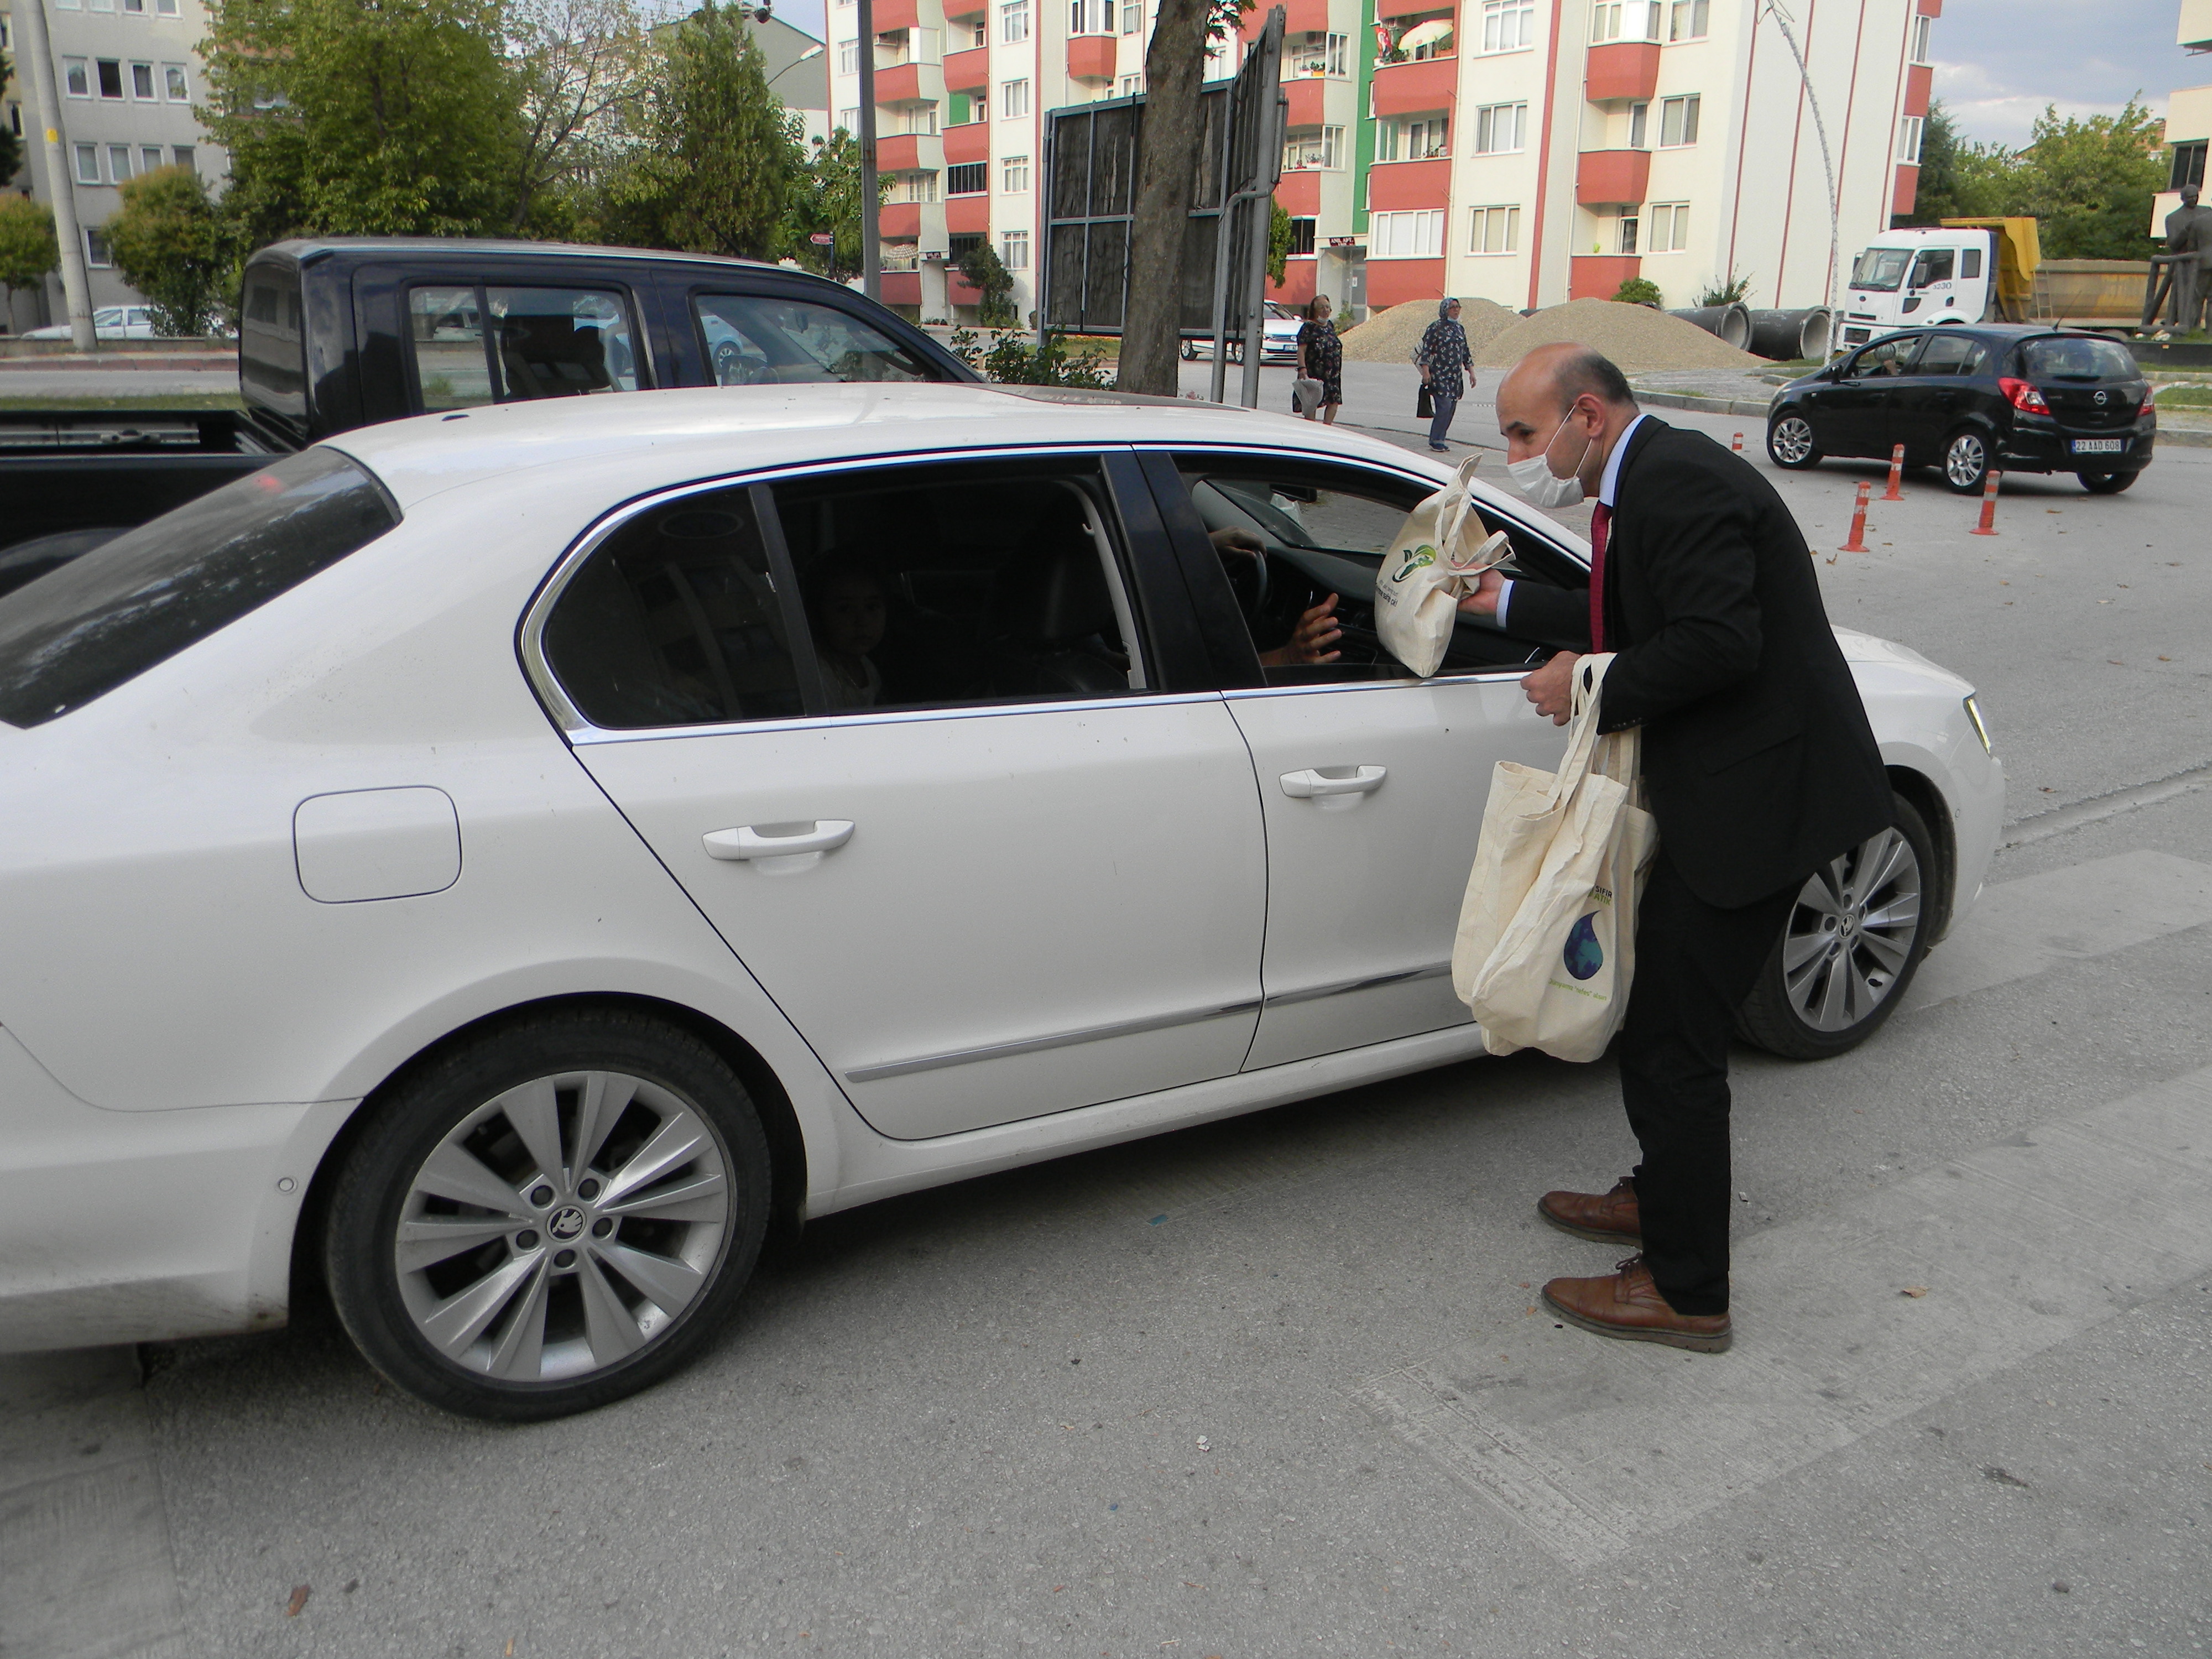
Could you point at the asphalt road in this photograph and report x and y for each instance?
(1279, 1385)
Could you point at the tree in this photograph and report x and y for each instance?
(375, 117)
(988, 274)
(580, 65)
(28, 249)
(2091, 182)
(1174, 65)
(716, 151)
(824, 199)
(1282, 235)
(170, 243)
(11, 147)
(1637, 291)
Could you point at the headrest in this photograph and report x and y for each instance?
(1055, 591)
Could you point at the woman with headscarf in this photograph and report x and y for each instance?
(1321, 357)
(1447, 368)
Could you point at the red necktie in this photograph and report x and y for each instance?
(1600, 527)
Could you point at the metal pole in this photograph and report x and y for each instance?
(872, 253)
(1827, 161)
(61, 182)
(1263, 227)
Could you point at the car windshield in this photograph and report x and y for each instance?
(106, 617)
(2061, 357)
(1880, 270)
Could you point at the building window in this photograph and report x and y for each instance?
(1496, 230)
(1423, 140)
(69, 5)
(848, 121)
(1315, 146)
(182, 155)
(1678, 121)
(1339, 54)
(1624, 19)
(920, 187)
(1639, 125)
(15, 119)
(1908, 140)
(118, 161)
(174, 85)
(1014, 98)
(848, 57)
(165, 7)
(959, 247)
(103, 5)
(76, 78)
(968, 179)
(141, 81)
(1688, 20)
(1302, 237)
(1624, 241)
(1091, 16)
(136, 8)
(1922, 29)
(1508, 25)
(1133, 18)
(1670, 228)
(87, 164)
(1014, 175)
(1415, 236)
(1014, 250)
(1132, 85)
(1499, 128)
(1014, 20)
(110, 77)
(2189, 165)
(95, 250)
(149, 157)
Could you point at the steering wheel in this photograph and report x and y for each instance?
(1247, 571)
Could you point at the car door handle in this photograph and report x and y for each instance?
(1349, 780)
(778, 841)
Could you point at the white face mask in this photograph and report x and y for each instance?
(1535, 479)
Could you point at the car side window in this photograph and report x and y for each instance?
(1301, 539)
(940, 586)
(1885, 358)
(1950, 354)
(675, 620)
(475, 344)
(757, 340)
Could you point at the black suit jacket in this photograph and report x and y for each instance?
(1758, 760)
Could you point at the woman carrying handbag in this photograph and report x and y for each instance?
(1447, 372)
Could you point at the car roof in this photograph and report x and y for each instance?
(303, 248)
(613, 448)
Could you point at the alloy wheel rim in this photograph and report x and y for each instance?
(1850, 935)
(1793, 439)
(563, 1227)
(1964, 461)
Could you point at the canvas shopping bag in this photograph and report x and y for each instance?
(1547, 944)
(1432, 564)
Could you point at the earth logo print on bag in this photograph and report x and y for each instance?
(1582, 955)
(1419, 558)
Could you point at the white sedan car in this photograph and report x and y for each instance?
(108, 323)
(501, 862)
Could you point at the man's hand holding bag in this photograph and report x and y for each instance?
(1437, 559)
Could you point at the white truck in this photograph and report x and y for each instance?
(1973, 270)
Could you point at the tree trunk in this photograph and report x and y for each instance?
(1174, 66)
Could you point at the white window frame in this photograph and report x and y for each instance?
(1338, 48)
(99, 5)
(1093, 16)
(1508, 26)
(1014, 250)
(153, 92)
(1013, 21)
(1627, 232)
(149, 157)
(69, 5)
(136, 8)
(848, 121)
(1910, 131)
(176, 84)
(76, 78)
(1014, 98)
(1669, 223)
(848, 57)
(1640, 124)
(1501, 129)
(83, 153)
(1697, 13)
(186, 156)
(1132, 16)
(1681, 114)
(1624, 19)
(1924, 27)
(120, 153)
(1500, 224)
(167, 9)
(1014, 174)
(1331, 149)
(1407, 233)
(97, 256)
(1132, 85)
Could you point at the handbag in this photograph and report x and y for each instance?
(1546, 951)
(1305, 393)
(1425, 407)
(1433, 562)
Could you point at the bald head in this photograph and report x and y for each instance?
(1562, 373)
(1562, 389)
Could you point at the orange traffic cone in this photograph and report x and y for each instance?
(1857, 542)
(1896, 473)
(1988, 526)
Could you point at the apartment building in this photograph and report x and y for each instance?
(129, 72)
(1525, 151)
(2188, 119)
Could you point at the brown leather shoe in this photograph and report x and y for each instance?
(1625, 1303)
(1603, 1218)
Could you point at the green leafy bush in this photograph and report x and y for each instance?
(1010, 360)
(1637, 291)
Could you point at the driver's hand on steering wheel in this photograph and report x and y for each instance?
(1310, 640)
(1234, 540)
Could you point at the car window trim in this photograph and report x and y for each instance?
(642, 356)
(572, 724)
(691, 295)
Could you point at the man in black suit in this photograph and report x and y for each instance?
(1757, 764)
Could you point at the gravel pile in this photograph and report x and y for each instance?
(1638, 338)
(1390, 337)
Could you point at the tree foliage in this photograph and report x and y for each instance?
(28, 249)
(365, 117)
(825, 198)
(1012, 360)
(2090, 181)
(581, 67)
(1282, 235)
(172, 245)
(11, 147)
(716, 152)
(1637, 291)
(988, 274)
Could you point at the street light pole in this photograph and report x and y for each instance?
(61, 183)
(872, 262)
(1827, 162)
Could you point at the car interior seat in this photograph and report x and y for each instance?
(552, 356)
(1057, 632)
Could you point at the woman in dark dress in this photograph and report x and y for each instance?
(1321, 357)
(1447, 369)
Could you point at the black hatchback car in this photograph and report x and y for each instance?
(1967, 397)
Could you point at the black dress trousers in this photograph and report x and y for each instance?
(1695, 964)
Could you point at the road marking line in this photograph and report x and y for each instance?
(2023, 1245)
(2022, 927)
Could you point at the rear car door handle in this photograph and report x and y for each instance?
(1346, 780)
(778, 841)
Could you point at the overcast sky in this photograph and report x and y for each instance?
(1999, 61)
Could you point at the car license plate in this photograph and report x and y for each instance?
(2099, 445)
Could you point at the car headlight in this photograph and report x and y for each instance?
(1974, 714)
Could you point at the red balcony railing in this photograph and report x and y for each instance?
(964, 71)
(1090, 57)
(967, 215)
(1392, 184)
(1410, 88)
(900, 221)
(1623, 69)
(1609, 177)
(969, 142)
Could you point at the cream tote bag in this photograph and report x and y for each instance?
(1432, 564)
(1546, 943)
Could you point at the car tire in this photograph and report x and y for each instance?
(480, 1281)
(729, 364)
(1965, 464)
(2107, 483)
(1789, 441)
(1190, 352)
(1849, 948)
